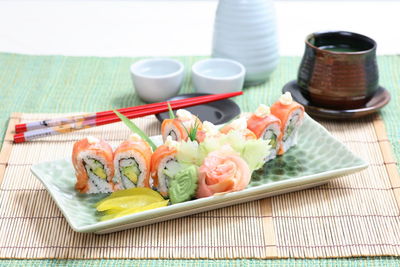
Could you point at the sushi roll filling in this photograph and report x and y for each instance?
(269, 134)
(173, 135)
(97, 173)
(171, 168)
(129, 169)
(96, 167)
(291, 126)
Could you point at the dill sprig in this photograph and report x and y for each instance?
(192, 132)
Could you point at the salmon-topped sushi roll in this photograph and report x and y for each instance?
(164, 165)
(93, 162)
(240, 126)
(179, 127)
(209, 131)
(268, 127)
(132, 161)
(291, 115)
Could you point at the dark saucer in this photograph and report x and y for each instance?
(217, 112)
(377, 101)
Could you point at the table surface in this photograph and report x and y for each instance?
(166, 28)
(161, 28)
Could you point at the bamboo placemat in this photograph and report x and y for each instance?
(355, 215)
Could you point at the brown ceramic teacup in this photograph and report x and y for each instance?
(338, 69)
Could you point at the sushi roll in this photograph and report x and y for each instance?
(132, 163)
(164, 164)
(180, 127)
(209, 130)
(240, 126)
(174, 173)
(94, 168)
(291, 115)
(268, 127)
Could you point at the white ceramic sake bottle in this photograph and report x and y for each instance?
(245, 31)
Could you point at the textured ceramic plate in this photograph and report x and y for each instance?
(316, 159)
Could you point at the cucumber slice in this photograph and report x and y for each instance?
(273, 141)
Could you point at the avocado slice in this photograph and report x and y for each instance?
(291, 127)
(99, 171)
(131, 172)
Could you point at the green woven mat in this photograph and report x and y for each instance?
(69, 84)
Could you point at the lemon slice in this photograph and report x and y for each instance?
(135, 210)
(127, 202)
(136, 191)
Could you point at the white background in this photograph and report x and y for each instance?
(167, 28)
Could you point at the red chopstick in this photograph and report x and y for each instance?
(88, 121)
(24, 127)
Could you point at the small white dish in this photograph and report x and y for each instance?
(157, 79)
(217, 76)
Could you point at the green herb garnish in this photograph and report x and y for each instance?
(171, 113)
(133, 127)
(192, 133)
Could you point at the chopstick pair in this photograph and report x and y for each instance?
(29, 131)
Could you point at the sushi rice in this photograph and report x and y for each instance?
(291, 115)
(272, 133)
(292, 126)
(130, 169)
(98, 173)
(164, 165)
(267, 127)
(167, 169)
(132, 163)
(92, 160)
(174, 129)
(179, 127)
